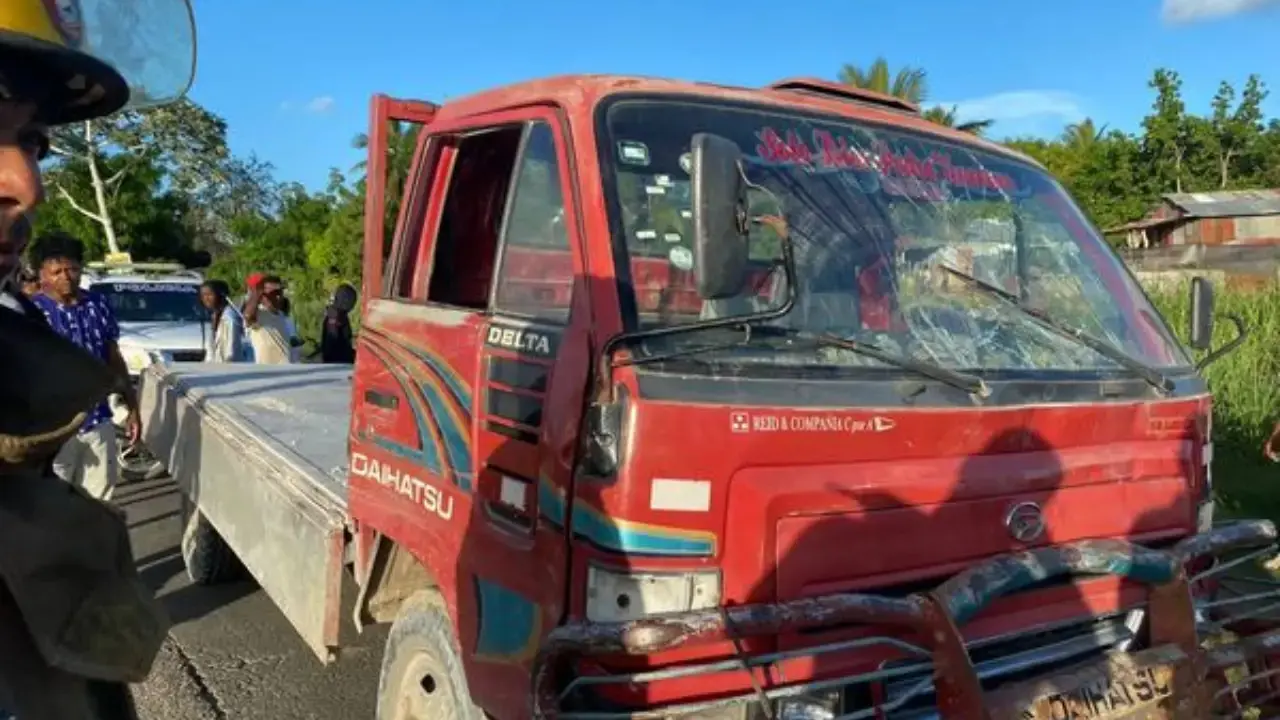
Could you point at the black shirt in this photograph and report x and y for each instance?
(335, 337)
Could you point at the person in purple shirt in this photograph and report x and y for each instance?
(89, 460)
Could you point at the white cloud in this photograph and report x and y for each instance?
(1020, 105)
(1187, 11)
(321, 104)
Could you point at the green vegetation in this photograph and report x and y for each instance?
(1246, 388)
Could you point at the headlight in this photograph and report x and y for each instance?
(618, 596)
(135, 358)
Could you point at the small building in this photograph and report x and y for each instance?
(1209, 218)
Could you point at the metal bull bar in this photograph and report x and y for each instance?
(1176, 676)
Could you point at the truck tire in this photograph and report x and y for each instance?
(422, 676)
(207, 557)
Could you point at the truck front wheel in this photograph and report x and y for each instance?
(207, 557)
(422, 676)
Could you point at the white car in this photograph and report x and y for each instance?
(158, 309)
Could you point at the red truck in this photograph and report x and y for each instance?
(675, 400)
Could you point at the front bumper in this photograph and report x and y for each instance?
(925, 627)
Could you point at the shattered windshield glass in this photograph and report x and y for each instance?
(876, 216)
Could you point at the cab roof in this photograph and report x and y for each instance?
(578, 93)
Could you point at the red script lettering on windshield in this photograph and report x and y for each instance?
(838, 153)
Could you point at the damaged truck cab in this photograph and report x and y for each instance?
(675, 400)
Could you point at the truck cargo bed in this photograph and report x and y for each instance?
(300, 411)
(261, 452)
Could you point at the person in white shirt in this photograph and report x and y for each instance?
(269, 331)
(291, 332)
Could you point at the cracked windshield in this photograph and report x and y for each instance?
(890, 230)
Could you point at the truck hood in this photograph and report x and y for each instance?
(164, 335)
(812, 501)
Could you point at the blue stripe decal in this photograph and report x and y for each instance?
(429, 455)
(506, 622)
(456, 388)
(620, 535)
(550, 504)
(626, 538)
(455, 440)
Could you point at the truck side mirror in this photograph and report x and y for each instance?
(1201, 331)
(720, 220)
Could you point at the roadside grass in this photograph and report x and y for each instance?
(1246, 389)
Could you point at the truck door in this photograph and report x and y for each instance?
(470, 374)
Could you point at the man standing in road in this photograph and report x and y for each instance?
(90, 459)
(269, 331)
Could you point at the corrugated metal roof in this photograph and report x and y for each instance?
(1234, 203)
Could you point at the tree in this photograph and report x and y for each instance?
(148, 216)
(947, 117)
(1236, 130)
(911, 85)
(1167, 134)
(183, 140)
(248, 189)
(908, 83)
(1083, 135)
(402, 142)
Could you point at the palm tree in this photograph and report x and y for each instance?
(402, 142)
(909, 83)
(947, 117)
(1082, 135)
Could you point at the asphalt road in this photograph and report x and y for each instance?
(231, 654)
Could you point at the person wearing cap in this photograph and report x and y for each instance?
(250, 283)
(76, 622)
(269, 329)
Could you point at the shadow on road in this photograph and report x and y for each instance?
(155, 529)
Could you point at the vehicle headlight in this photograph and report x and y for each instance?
(137, 359)
(618, 596)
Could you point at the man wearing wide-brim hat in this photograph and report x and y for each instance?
(76, 624)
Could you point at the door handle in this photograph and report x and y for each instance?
(384, 400)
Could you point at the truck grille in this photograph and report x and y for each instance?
(1000, 661)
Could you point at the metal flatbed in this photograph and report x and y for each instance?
(260, 451)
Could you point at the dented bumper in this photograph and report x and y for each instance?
(1174, 677)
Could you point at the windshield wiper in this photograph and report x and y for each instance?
(1154, 377)
(971, 384)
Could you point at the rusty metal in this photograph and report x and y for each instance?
(954, 676)
(651, 635)
(1142, 684)
(1176, 676)
(967, 593)
(1234, 536)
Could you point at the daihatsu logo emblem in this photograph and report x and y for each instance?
(1025, 522)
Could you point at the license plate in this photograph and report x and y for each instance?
(1108, 699)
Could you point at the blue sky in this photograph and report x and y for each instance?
(293, 77)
